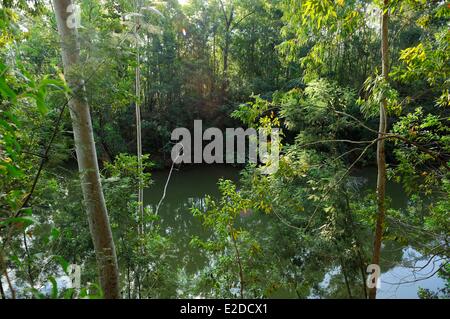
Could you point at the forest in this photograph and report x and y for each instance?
(100, 198)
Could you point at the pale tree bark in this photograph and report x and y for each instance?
(139, 131)
(381, 155)
(140, 204)
(86, 155)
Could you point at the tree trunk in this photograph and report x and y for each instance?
(381, 156)
(347, 283)
(2, 292)
(213, 78)
(139, 144)
(87, 157)
(225, 51)
(225, 62)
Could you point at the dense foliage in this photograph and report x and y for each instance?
(310, 67)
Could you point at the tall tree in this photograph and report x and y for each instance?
(228, 21)
(381, 154)
(86, 154)
(232, 18)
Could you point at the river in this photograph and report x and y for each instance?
(191, 185)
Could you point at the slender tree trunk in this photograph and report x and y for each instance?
(2, 292)
(2, 270)
(87, 157)
(213, 86)
(129, 281)
(347, 283)
(381, 156)
(225, 62)
(226, 47)
(363, 272)
(139, 144)
(29, 268)
(141, 227)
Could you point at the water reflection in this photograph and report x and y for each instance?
(188, 188)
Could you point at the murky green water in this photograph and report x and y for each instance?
(186, 188)
(191, 184)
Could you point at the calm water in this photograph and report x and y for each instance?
(186, 188)
(190, 186)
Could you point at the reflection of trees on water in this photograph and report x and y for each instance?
(176, 219)
(307, 266)
(315, 271)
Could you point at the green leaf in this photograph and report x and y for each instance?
(55, 232)
(27, 221)
(40, 102)
(6, 91)
(37, 294)
(63, 263)
(69, 293)
(54, 294)
(27, 211)
(58, 84)
(42, 92)
(13, 171)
